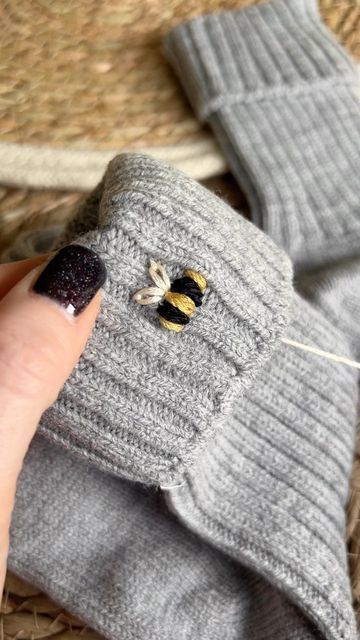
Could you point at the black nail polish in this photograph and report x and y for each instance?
(72, 278)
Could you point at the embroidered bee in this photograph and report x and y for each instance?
(176, 301)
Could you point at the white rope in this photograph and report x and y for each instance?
(321, 353)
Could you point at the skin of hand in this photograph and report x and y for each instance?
(40, 343)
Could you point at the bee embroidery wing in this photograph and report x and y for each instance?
(148, 295)
(159, 276)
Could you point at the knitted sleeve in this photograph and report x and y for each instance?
(157, 380)
(250, 440)
(280, 95)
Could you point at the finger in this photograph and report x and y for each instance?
(45, 321)
(12, 272)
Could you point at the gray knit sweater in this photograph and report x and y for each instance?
(192, 485)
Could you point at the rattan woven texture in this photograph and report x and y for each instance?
(91, 74)
(81, 81)
(27, 614)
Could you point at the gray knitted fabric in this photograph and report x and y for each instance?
(336, 291)
(258, 435)
(280, 95)
(110, 552)
(143, 401)
(265, 492)
(270, 491)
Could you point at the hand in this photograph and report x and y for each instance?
(48, 308)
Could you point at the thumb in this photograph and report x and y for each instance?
(45, 321)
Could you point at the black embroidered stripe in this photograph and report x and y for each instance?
(171, 313)
(189, 287)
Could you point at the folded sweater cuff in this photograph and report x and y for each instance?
(143, 401)
(253, 54)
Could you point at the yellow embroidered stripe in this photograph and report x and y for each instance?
(171, 326)
(181, 302)
(197, 277)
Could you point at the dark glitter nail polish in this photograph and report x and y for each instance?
(72, 278)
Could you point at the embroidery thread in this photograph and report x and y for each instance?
(176, 301)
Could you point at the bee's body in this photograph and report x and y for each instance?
(177, 301)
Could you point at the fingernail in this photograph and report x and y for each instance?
(72, 278)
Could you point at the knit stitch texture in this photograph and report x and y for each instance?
(143, 401)
(281, 96)
(255, 437)
(265, 496)
(271, 489)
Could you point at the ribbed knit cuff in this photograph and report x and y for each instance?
(271, 489)
(264, 51)
(336, 293)
(143, 400)
(108, 552)
(279, 94)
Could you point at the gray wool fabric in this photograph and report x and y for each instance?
(336, 291)
(143, 402)
(193, 486)
(251, 545)
(281, 97)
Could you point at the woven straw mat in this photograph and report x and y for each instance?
(79, 80)
(99, 84)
